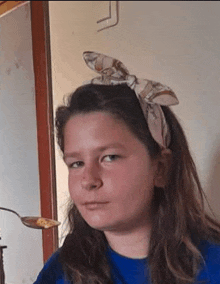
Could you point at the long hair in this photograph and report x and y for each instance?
(179, 219)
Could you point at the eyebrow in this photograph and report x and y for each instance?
(99, 149)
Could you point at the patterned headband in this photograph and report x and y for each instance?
(151, 95)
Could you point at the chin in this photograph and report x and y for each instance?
(103, 222)
(106, 226)
(98, 224)
(99, 227)
(96, 220)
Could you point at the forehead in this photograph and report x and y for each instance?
(97, 128)
(95, 123)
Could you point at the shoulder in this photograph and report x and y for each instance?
(210, 252)
(211, 261)
(52, 271)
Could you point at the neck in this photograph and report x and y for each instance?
(130, 244)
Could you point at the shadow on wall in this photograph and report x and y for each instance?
(213, 185)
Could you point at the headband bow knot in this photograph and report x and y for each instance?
(151, 95)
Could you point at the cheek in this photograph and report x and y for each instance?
(137, 175)
(74, 186)
(131, 185)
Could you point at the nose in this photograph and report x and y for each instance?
(91, 178)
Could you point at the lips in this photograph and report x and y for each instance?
(95, 205)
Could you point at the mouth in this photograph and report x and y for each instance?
(95, 205)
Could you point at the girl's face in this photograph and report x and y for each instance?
(111, 175)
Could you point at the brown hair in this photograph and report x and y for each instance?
(179, 222)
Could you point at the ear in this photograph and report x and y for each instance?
(163, 166)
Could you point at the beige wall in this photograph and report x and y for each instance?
(19, 174)
(174, 42)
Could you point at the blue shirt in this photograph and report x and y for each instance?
(135, 271)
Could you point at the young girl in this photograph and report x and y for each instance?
(137, 213)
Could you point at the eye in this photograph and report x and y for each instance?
(111, 158)
(75, 165)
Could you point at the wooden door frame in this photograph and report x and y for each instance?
(45, 125)
(6, 6)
